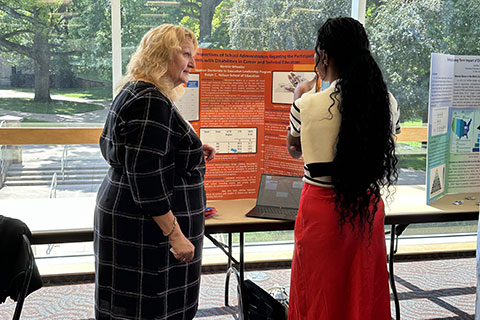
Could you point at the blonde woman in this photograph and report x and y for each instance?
(149, 218)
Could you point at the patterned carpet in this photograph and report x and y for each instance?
(433, 290)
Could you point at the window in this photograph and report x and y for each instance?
(55, 61)
(403, 34)
(56, 67)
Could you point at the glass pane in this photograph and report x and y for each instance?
(403, 34)
(281, 25)
(229, 24)
(50, 171)
(49, 187)
(236, 25)
(55, 61)
(55, 70)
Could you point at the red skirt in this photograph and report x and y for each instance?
(337, 273)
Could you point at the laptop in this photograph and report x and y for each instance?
(278, 197)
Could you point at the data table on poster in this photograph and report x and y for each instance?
(230, 140)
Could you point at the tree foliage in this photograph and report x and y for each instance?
(90, 32)
(73, 37)
(36, 30)
(403, 35)
(219, 37)
(67, 37)
(280, 24)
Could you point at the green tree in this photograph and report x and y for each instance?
(198, 15)
(91, 31)
(280, 24)
(207, 11)
(35, 29)
(74, 36)
(202, 17)
(219, 36)
(403, 35)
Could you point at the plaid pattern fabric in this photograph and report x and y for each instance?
(157, 165)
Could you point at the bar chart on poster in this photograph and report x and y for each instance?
(230, 140)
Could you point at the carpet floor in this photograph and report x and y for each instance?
(433, 290)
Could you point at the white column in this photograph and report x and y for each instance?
(116, 44)
(359, 8)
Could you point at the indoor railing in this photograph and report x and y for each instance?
(64, 161)
(53, 186)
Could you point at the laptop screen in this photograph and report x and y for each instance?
(279, 191)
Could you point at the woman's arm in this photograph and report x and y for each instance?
(294, 146)
(182, 249)
(293, 142)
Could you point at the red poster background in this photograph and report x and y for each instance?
(236, 92)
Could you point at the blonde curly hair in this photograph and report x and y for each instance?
(153, 55)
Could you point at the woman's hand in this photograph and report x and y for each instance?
(209, 152)
(182, 249)
(304, 87)
(295, 79)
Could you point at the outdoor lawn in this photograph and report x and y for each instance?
(95, 99)
(94, 93)
(54, 107)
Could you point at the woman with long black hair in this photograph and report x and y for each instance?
(346, 136)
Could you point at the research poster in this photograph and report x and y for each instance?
(453, 155)
(244, 100)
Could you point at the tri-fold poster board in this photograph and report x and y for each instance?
(239, 102)
(453, 153)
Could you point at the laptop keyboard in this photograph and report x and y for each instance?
(278, 211)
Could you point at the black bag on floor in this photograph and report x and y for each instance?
(259, 304)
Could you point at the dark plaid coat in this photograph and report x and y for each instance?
(157, 165)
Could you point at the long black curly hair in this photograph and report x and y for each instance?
(365, 159)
